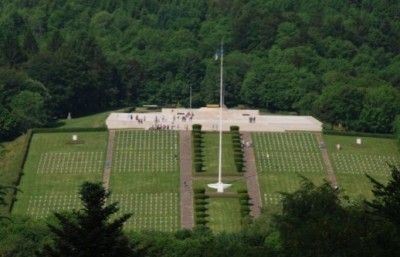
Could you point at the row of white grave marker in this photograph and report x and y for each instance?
(360, 164)
(146, 140)
(70, 162)
(150, 151)
(287, 152)
(272, 199)
(285, 141)
(44, 205)
(152, 211)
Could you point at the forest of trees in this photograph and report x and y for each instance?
(335, 59)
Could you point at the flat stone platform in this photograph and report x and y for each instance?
(183, 119)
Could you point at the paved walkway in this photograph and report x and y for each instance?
(327, 161)
(252, 177)
(107, 169)
(182, 119)
(187, 219)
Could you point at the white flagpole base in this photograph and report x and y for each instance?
(219, 186)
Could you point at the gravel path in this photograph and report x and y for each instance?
(187, 220)
(107, 169)
(252, 177)
(327, 161)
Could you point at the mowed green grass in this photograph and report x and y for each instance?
(145, 179)
(353, 161)
(224, 213)
(9, 167)
(55, 169)
(227, 220)
(90, 121)
(211, 154)
(282, 160)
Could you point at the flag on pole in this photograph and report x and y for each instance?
(218, 54)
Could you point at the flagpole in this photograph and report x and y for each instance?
(220, 114)
(219, 185)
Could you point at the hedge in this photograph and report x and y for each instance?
(234, 128)
(200, 202)
(198, 166)
(196, 127)
(357, 134)
(244, 196)
(60, 130)
(201, 215)
(199, 190)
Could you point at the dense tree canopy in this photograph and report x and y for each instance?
(337, 60)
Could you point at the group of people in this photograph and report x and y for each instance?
(187, 117)
(246, 143)
(138, 119)
(252, 119)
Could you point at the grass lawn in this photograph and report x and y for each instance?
(352, 161)
(90, 121)
(54, 170)
(237, 184)
(273, 183)
(10, 160)
(211, 153)
(224, 214)
(145, 179)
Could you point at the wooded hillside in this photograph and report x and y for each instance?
(335, 59)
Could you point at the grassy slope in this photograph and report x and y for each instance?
(9, 166)
(91, 121)
(9, 163)
(357, 185)
(34, 184)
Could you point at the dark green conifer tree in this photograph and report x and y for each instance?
(88, 232)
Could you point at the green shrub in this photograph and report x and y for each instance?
(239, 167)
(238, 157)
(198, 166)
(241, 191)
(196, 127)
(200, 196)
(238, 151)
(234, 128)
(244, 210)
(200, 208)
(200, 202)
(200, 190)
(244, 196)
(244, 202)
(201, 221)
(201, 215)
(237, 145)
(197, 135)
(196, 142)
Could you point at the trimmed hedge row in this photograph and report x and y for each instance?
(244, 200)
(200, 206)
(356, 134)
(237, 148)
(59, 130)
(198, 143)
